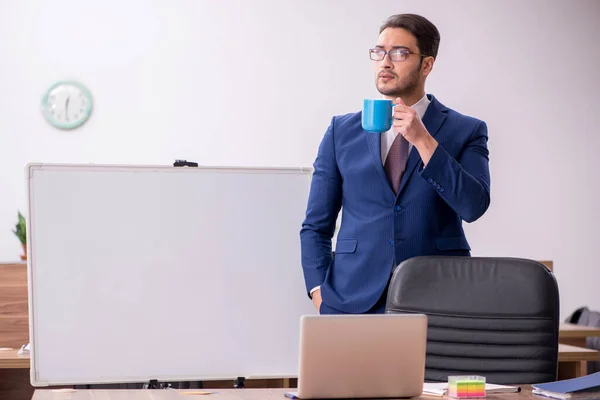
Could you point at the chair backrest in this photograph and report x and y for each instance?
(496, 317)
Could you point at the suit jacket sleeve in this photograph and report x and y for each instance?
(464, 183)
(324, 204)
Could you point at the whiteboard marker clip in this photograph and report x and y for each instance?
(184, 163)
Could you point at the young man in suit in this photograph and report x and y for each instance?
(404, 192)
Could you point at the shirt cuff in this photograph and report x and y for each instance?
(313, 289)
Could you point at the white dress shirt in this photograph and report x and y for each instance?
(387, 138)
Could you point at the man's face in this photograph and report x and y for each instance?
(398, 78)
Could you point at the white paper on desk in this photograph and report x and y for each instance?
(440, 388)
(435, 389)
(492, 388)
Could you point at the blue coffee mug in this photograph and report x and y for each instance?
(377, 115)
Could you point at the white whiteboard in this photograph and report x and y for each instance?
(142, 272)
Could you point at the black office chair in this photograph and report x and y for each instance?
(495, 317)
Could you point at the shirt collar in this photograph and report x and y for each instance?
(421, 106)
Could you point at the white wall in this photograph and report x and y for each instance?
(255, 83)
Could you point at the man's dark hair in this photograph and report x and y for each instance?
(428, 36)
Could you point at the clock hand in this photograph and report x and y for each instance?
(67, 109)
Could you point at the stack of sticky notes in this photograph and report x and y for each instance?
(466, 386)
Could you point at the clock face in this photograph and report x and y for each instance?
(67, 105)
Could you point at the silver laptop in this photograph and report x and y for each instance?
(361, 356)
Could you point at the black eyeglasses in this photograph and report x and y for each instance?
(395, 55)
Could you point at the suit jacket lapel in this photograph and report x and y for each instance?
(433, 119)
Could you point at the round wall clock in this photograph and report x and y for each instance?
(67, 105)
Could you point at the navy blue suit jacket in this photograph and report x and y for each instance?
(379, 229)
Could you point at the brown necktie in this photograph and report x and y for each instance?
(395, 163)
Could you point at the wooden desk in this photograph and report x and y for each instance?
(14, 376)
(549, 264)
(573, 360)
(14, 320)
(14, 369)
(576, 335)
(227, 394)
(10, 359)
(15, 383)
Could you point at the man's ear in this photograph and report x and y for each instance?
(427, 65)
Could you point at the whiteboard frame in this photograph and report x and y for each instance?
(31, 167)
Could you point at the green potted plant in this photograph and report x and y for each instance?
(21, 232)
